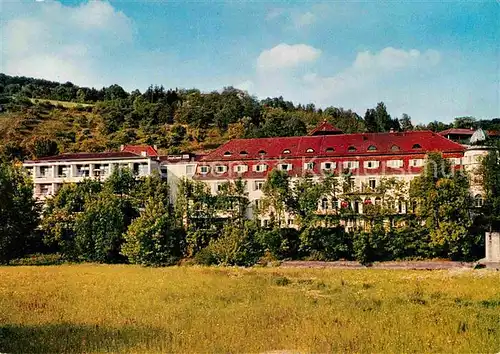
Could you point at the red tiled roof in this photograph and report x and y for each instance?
(463, 131)
(139, 149)
(325, 128)
(88, 156)
(343, 145)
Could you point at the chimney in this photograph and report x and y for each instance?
(144, 153)
(155, 147)
(122, 147)
(392, 130)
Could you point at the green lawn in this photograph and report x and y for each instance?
(99, 308)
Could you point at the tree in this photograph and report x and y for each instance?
(490, 173)
(99, 229)
(42, 146)
(405, 122)
(276, 191)
(153, 238)
(18, 212)
(465, 123)
(444, 206)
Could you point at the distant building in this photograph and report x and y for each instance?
(50, 173)
(462, 136)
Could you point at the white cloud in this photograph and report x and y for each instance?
(407, 80)
(64, 43)
(285, 56)
(304, 19)
(274, 13)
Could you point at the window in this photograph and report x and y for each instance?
(265, 223)
(371, 164)
(310, 150)
(324, 204)
(372, 148)
(416, 146)
(378, 201)
(243, 153)
(395, 148)
(372, 183)
(328, 165)
(220, 168)
(329, 149)
(286, 151)
(82, 170)
(45, 189)
(351, 149)
(256, 203)
(351, 183)
(309, 166)
(240, 168)
(189, 169)
(395, 163)
(455, 161)
(219, 187)
(227, 154)
(65, 171)
(416, 162)
(478, 200)
(44, 171)
(260, 168)
(351, 164)
(262, 152)
(258, 185)
(204, 169)
(285, 167)
(290, 222)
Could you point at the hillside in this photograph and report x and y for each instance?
(40, 118)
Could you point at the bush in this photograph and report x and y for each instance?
(152, 238)
(199, 239)
(236, 246)
(205, 257)
(280, 243)
(326, 244)
(38, 259)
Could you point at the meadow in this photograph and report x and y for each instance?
(123, 308)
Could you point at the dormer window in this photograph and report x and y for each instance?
(227, 154)
(243, 153)
(416, 146)
(310, 150)
(286, 151)
(262, 152)
(220, 168)
(395, 148)
(240, 168)
(372, 148)
(204, 170)
(329, 149)
(260, 168)
(351, 149)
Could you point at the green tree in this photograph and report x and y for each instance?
(444, 205)
(405, 122)
(490, 173)
(18, 212)
(153, 238)
(99, 228)
(276, 191)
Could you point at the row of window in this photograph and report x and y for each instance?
(310, 166)
(327, 150)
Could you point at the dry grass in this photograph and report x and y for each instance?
(97, 308)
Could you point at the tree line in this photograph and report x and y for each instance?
(131, 220)
(173, 119)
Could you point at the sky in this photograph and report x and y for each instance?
(434, 60)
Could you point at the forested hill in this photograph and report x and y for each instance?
(40, 118)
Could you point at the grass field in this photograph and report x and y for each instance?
(98, 308)
(65, 104)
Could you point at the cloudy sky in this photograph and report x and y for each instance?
(432, 59)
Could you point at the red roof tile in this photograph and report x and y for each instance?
(139, 149)
(325, 128)
(343, 145)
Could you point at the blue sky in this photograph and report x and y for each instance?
(432, 60)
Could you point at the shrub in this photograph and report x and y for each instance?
(326, 243)
(280, 243)
(205, 257)
(152, 238)
(235, 246)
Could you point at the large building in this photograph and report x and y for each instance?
(367, 157)
(50, 173)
